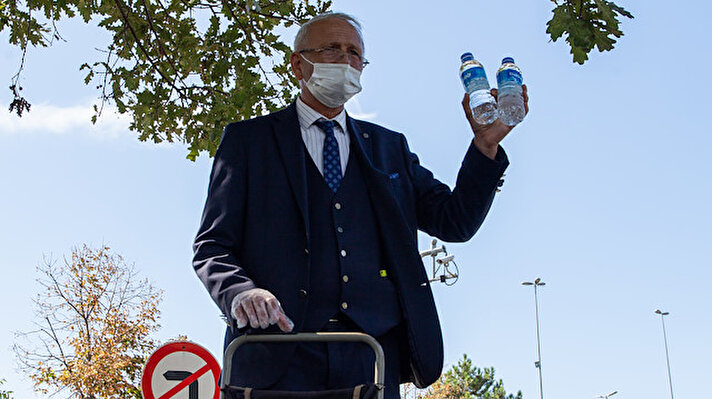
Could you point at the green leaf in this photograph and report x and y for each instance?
(620, 10)
(580, 54)
(586, 24)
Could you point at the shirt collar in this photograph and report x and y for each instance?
(307, 116)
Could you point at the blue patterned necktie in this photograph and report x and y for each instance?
(332, 160)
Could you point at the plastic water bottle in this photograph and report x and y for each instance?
(483, 105)
(509, 97)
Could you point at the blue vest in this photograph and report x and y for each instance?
(347, 274)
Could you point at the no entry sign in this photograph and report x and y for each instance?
(181, 370)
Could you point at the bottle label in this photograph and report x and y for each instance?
(509, 75)
(474, 79)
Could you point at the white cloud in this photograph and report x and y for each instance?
(353, 107)
(47, 118)
(76, 119)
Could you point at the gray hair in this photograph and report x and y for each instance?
(302, 33)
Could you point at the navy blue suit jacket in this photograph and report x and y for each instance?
(254, 231)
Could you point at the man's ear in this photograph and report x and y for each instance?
(295, 60)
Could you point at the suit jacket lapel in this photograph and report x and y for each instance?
(393, 223)
(362, 139)
(289, 140)
(382, 197)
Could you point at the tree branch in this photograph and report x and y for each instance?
(143, 49)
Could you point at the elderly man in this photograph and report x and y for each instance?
(310, 225)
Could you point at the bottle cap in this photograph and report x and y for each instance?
(467, 57)
(507, 60)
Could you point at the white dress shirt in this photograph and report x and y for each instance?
(313, 136)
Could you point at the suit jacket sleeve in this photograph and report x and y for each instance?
(217, 245)
(456, 215)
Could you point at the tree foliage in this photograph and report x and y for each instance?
(463, 381)
(182, 69)
(586, 24)
(3, 393)
(94, 317)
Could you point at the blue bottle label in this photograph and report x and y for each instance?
(509, 75)
(474, 79)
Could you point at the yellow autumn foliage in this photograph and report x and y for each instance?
(95, 317)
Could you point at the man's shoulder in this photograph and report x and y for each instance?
(258, 120)
(377, 130)
(258, 125)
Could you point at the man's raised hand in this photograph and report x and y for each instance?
(488, 137)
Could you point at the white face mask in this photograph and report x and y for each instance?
(333, 84)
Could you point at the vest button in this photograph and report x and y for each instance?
(306, 251)
(303, 293)
(345, 278)
(344, 305)
(343, 253)
(337, 205)
(365, 135)
(340, 229)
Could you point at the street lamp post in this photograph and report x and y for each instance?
(536, 283)
(667, 355)
(607, 395)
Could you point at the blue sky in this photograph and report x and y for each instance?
(606, 198)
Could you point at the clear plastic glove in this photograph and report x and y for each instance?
(260, 309)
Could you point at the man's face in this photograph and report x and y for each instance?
(329, 33)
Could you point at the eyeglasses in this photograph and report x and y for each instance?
(332, 54)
